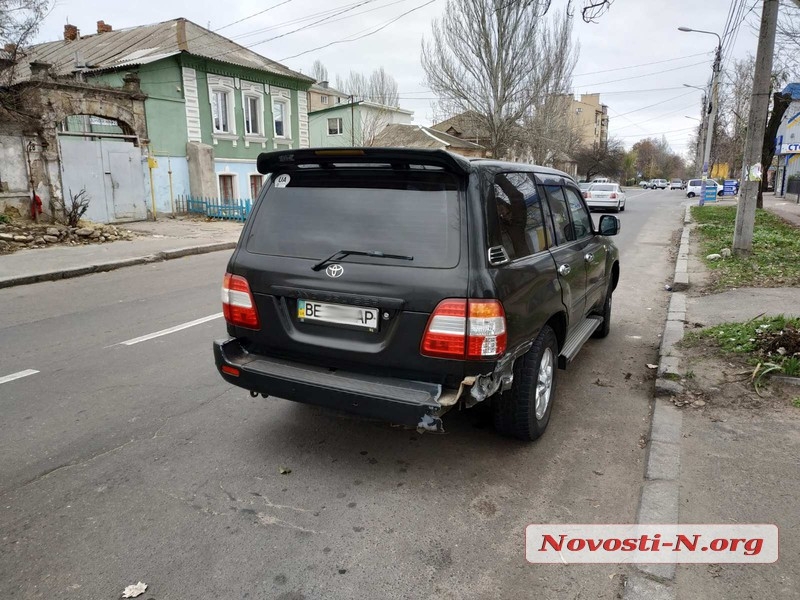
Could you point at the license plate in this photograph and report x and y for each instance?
(338, 314)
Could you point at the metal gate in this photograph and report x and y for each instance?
(110, 169)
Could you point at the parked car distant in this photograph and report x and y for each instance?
(600, 180)
(644, 183)
(676, 184)
(605, 195)
(657, 183)
(693, 186)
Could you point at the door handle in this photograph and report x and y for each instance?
(564, 270)
(589, 257)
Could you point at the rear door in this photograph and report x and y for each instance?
(518, 222)
(359, 312)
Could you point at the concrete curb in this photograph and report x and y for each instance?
(660, 497)
(116, 264)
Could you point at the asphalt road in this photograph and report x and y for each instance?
(136, 462)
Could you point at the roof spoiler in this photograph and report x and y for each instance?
(283, 160)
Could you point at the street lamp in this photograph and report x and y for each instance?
(712, 109)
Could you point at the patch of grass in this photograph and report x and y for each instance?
(4, 218)
(689, 374)
(796, 402)
(764, 340)
(774, 243)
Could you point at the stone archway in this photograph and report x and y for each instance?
(53, 101)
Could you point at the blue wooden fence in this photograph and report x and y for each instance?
(235, 210)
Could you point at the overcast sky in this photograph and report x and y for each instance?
(643, 101)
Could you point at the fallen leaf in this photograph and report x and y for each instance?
(132, 591)
(651, 366)
(284, 470)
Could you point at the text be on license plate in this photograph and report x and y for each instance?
(338, 314)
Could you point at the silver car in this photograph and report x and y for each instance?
(605, 196)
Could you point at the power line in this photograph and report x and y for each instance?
(353, 39)
(705, 62)
(261, 12)
(647, 64)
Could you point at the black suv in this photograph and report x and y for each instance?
(398, 283)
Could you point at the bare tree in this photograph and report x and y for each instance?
(318, 71)
(601, 159)
(380, 87)
(787, 44)
(356, 85)
(383, 88)
(493, 57)
(20, 21)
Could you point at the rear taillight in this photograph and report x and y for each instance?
(470, 329)
(238, 305)
(587, 194)
(614, 196)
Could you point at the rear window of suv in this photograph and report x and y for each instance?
(311, 214)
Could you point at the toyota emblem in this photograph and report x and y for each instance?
(334, 271)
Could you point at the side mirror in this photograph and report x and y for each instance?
(609, 225)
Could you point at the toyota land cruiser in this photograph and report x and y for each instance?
(399, 283)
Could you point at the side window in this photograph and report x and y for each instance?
(560, 211)
(581, 219)
(519, 214)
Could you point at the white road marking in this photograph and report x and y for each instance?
(169, 330)
(18, 375)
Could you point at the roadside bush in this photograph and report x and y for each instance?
(75, 208)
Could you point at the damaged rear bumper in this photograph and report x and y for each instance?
(414, 403)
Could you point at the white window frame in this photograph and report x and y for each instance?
(323, 99)
(225, 85)
(341, 125)
(235, 176)
(284, 102)
(259, 116)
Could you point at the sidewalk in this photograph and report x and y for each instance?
(157, 240)
(729, 455)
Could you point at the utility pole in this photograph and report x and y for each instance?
(712, 109)
(756, 124)
(709, 117)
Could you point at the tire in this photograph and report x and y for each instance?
(616, 209)
(690, 194)
(622, 208)
(605, 328)
(515, 411)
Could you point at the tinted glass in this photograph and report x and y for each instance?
(319, 212)
(695, 182)
(581, 220)
(560, 213)
(519, 214)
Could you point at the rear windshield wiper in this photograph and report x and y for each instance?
(344, 253)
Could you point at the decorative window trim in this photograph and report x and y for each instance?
(224, 85)
(323, 99)
(254, 90)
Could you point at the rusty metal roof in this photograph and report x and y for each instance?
(144, 44)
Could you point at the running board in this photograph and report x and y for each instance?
(577, 338)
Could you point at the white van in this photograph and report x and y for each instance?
(600, 180)
(693, 186)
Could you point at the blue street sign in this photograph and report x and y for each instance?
(711, 192)
(729, 188)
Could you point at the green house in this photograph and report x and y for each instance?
(211, 105)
